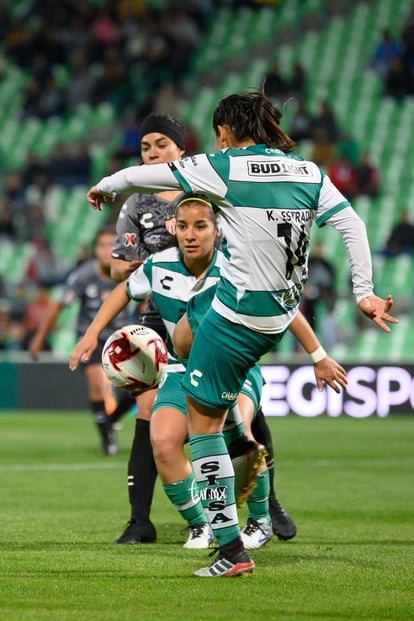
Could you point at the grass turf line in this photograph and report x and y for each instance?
(346, 482)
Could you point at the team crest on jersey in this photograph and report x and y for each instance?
(130, 239)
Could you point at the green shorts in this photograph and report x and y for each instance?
(252, 386)
(221, 356)
(170, 394)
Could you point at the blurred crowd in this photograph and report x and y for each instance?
(102, 51)
(393, 58)
(129, 53)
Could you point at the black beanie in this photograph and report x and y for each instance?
(164, 124)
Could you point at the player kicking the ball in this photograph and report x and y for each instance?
(268, 198)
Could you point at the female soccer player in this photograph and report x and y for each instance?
(258, 529)
(89, 283)
(268, 199)
(141, 231)
(172, 276)
(144, 226)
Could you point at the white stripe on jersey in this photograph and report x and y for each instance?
(267, 325)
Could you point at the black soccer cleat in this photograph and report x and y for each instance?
(238, 564)
(110, 445)
(282, 524)
(138, 532)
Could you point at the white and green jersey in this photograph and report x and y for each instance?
(267, 201)
(164, 276)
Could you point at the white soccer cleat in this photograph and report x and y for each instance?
(200, 537)
(256, 533)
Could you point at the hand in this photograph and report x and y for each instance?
(82, 351)
(96, 198)
(35, 346)
(133, 265)
(328, 371)
(377, 309)
(170, 225)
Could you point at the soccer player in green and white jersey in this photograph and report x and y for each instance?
(258, 529)
(172, 276)
(175, 277)
(268, 198)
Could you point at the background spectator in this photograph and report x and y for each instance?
(343, 174)
(8, 229)
(46, 267)
(401, 238)
(297, 82)
(12, 332)
(367, 176)
(301, 125)
(275, 85)
(325, 133)
(396, 83)
(36, 312)
(385, 50)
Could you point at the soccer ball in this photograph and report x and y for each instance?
(135, 358)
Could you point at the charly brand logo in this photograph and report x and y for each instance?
(193, 375)
(229, 396)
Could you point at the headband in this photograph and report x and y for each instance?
(163, 125)
(193, 199)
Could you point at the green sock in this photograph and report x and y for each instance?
(215, 478)
(185, 497)
(258, 503)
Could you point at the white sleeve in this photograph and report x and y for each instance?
(146, 178)
(354, 234)
(139, 286)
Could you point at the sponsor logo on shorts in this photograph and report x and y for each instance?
(229, 396)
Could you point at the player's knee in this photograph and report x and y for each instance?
(164, 448)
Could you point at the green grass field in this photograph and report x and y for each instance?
(348, 484)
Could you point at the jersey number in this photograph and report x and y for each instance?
(295, 250)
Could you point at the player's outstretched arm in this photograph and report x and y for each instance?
(378, 309)
(121, 270)
(84, 349)
(329, 371)
(38, 340)
(114, 303)
(326, 369)
(145, 178)
(96, 198)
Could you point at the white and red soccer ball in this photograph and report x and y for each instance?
(135, 358)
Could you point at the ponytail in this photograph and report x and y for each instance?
(252, 115)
